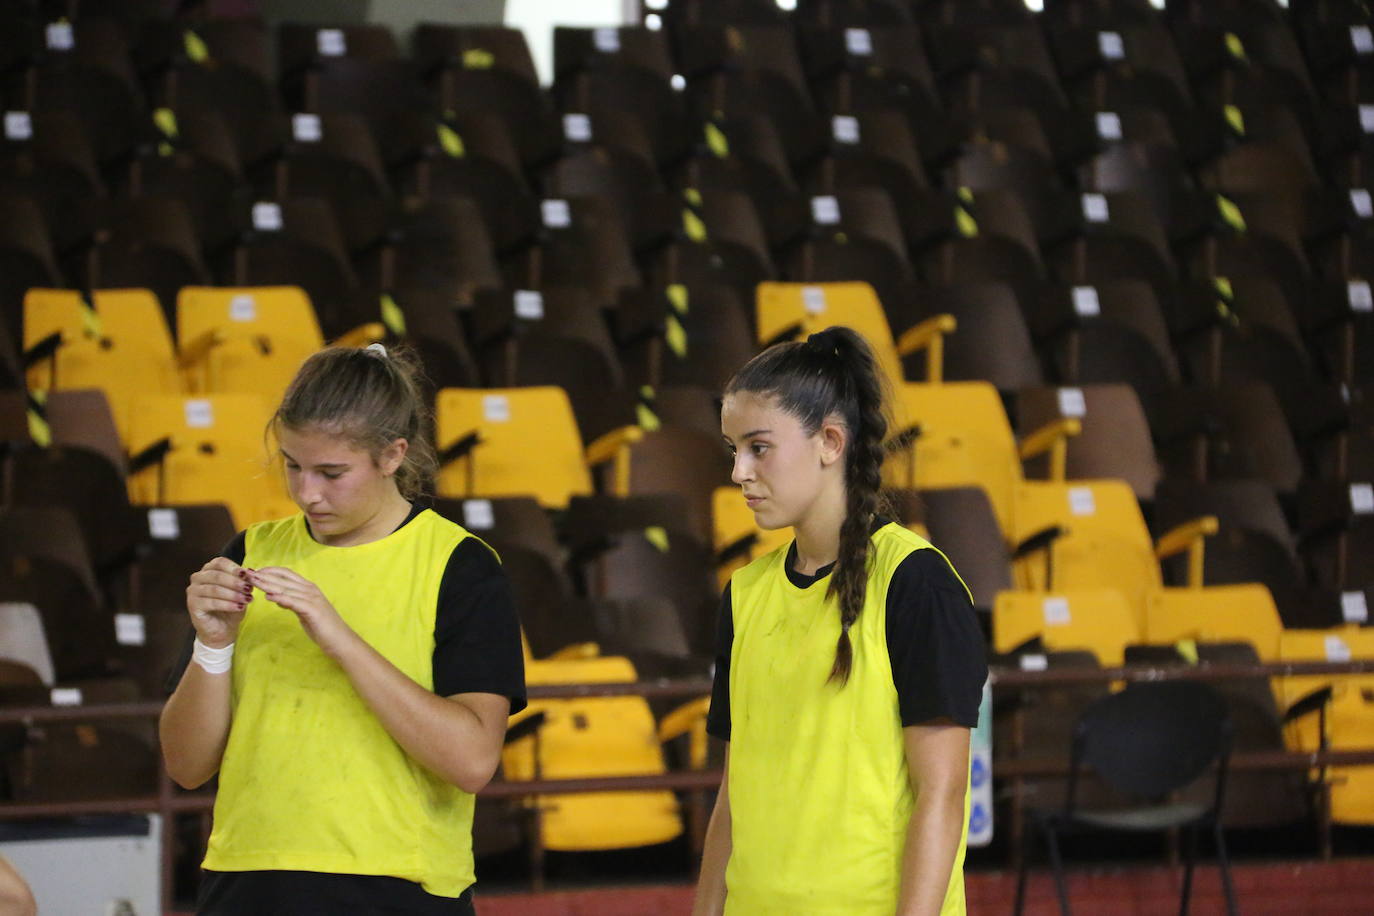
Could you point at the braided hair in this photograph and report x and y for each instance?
(833, 373)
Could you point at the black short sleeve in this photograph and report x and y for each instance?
(934, 642)
(718, 718)
(476, 632)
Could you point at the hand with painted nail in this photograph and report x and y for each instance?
(215, 599)
(302, 597)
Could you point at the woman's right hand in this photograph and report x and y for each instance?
(215, 599)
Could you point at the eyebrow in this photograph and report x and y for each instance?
(332, 466)
(749, 435)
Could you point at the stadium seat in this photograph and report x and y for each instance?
(553, 336)
(1098, 620)
(1114, 439)
(120, 344)
(205, 449)
(680, 334)
(245, 341)
(593, 737)
(489, 69)
(520, 442)
(291, 242)
(1340, 703)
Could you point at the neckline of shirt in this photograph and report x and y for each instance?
(802, 580)
(415, 510)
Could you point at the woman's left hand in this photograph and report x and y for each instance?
(302, 597)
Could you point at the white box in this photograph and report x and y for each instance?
(99, 865)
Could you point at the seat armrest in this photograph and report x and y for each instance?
(362, 335)
(929, 335)
(615, 446)
(1053, 437)
(1190, 536)
(688, 719)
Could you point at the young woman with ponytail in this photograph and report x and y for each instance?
(850, 664)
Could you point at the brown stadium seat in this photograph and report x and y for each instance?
(1108, 332)
(197, 161)
(627, 69)
(1115, 436)
(225, 66)
(489, 69)
(26, 259)
(147, 242)
(290, 242)
(966, 235)
(470, 155)
(1253, 543)
(722, 242)
(304, 49)
(335, 158)
(44, 562)
(745, 153)
(94, 79)
(46, 156)
(438, 243)
(93, 490)
(995, 345)
(612, 160)
(553, 336)
(855, 234)
(751, 69)
(583, 242)
(1237, 431)
(683, 334)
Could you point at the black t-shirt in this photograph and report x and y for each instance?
(934, 643)
(476, 650)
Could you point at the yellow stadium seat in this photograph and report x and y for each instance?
(245, 340)
(589, 737)
(737, 539)
(794, 310)
(521, 442)
(1104, 541)
(1099, 620)
(120, 345)
(1220, 613)
(1349, 713)
(960, 437)
(200, 450)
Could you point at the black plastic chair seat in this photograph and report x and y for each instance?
(1158, 817)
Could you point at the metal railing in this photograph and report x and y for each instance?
(168, 800)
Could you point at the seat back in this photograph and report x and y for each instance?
(781, 307)
(595, 736)
(1216, 614)
(529, 444)
(965, 440)
(1105, 542)
(1153, 738)
(217, 454)
(255, 339)
(121, 345)
(1099, 620)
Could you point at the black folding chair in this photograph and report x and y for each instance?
(1145, 742)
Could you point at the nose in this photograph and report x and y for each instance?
(742, 469)
(307, 491)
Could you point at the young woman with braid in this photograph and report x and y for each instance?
(850, 664)
(352, 669)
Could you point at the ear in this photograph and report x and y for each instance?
(833, 439)
(392, 456)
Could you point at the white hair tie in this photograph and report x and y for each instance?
(376, 348)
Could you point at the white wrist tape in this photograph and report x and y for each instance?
(214, 661)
